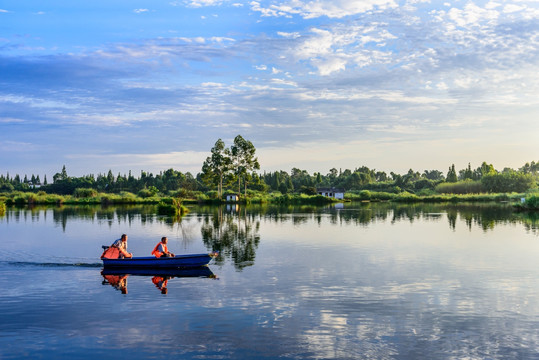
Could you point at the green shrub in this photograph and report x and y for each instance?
(31, 198)
(106, 199)
(20, 200)
(406, 197)
(171, 208)
(54, 199)
(127, 197)
(212, 194)
(427, 193)
(145, 193)
(85, 193)
(203, 197)
(382, 195)
(532, 202)
(168, 201)
(365, 195)
(502, 197)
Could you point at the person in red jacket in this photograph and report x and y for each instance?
(161, 249)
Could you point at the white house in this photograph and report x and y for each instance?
(232, 198)
(331, 192)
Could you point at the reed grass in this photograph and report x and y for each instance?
(461, 187)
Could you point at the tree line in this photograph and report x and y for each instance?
(234, 169)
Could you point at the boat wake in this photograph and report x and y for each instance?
(52, 264)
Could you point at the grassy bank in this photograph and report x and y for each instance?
(406, 197)
(173, 203)
(42, 198)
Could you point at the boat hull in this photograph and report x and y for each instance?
(179, 261)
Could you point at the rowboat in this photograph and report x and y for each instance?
(178, 261)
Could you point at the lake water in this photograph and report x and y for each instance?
(359, 281)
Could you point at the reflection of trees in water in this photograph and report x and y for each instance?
(530, 221)
(361, 215)
(61, 215)
(184, 229)
(483, 215)
(233, 234)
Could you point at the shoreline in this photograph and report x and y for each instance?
(521, 202)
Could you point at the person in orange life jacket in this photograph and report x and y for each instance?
(161, 250)
(121, 245)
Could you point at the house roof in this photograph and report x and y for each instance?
(339, 190)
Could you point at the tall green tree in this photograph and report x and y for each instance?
(433, 175)
(452, 174)
(486, 169)
(242, 153)
(61, 175)
(216, 166)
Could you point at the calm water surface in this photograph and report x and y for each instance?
(357, 282)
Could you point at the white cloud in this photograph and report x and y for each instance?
(292, 35)
(203, 3)
(9, 120)
(492, 5)
(511, 8)
(139, 11)
(185, 160)
(328, 66)
(471, 15)
(321, 8)
(284, 82)
(354, 95)
(442, 86)
(334, 49)
(36, 102)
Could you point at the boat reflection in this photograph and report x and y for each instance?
(117, 277)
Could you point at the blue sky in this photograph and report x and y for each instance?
(150, 85)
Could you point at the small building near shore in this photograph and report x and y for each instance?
(335, 193)
(232, 198)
